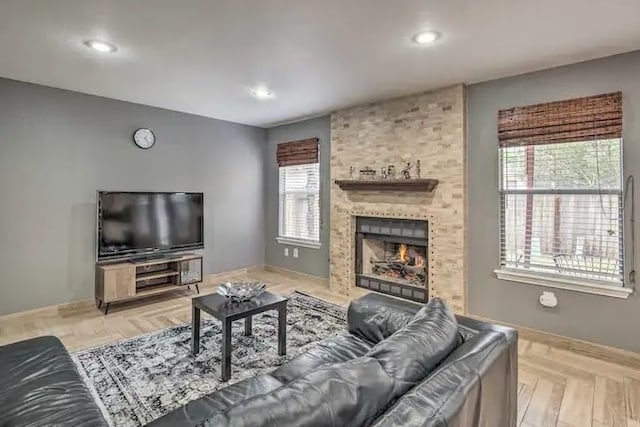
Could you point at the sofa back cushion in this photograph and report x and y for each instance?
(197, 411)
(415, 350)
(351, 393)
(338, 349)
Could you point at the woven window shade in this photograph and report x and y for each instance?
(295, 153)
(580, 119)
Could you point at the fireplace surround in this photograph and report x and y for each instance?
(429, 127)
(391, 257)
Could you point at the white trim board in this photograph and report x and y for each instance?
(299, 242)
(567, 283)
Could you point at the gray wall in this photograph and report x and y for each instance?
(58, 147)
(310, 261)
(599, 319)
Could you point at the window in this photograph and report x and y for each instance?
(562, 209)
(561, 194)
(299, 196)
(299, 211)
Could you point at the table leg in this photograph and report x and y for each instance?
(226, 350)
(247, 325)
(195, 330)
(282, 330)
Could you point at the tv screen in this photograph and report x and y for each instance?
(136, 223)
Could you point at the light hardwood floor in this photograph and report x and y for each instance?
(556, 387)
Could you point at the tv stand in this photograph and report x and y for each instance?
(139, 278)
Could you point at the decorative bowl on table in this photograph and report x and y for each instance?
(241, 291)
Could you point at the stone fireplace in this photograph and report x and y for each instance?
(429, 127)
(391, 257)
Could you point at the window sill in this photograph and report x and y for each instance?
(311, 244)
(568, 283)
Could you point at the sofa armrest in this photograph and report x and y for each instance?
(474, 326)
(475, 386)
(41, 386)
(374, 317)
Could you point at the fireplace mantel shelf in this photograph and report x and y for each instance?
(423, 184)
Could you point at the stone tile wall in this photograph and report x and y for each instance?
(429, 127)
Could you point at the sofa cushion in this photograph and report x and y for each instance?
(333, 350)
(40, 386)
(350, 393)
(451, 396)
(416, 349)
(197, 411)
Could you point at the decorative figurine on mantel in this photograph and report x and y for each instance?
(383, 173)
(406, 171)
(417, 169)
(391, 172)
(352, 169)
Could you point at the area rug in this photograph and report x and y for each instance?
(143, 378)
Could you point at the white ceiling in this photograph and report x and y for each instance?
(204, 56)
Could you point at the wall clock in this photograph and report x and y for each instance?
(144, 138)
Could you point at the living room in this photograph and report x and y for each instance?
(333, 213)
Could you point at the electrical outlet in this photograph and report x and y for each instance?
(548, 299)
(286, 251)
(295, 252)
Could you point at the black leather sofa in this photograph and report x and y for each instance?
(400, 364)
(40, 386)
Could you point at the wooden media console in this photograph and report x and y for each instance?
(129, 280)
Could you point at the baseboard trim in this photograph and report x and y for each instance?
(214, 279)
(55, 309)
(585, 348)
(298, 275)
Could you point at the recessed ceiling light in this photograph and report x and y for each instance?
(426, 37)
(101, 46)
(262, 93)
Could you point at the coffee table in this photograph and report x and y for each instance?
(226, 311)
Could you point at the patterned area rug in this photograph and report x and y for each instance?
(143, 378)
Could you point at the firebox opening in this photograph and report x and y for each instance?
(391, 257)
(396, 262)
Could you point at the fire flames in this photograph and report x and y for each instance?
(403, 257)
(402, 253)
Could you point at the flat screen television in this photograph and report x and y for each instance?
(137, 224)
